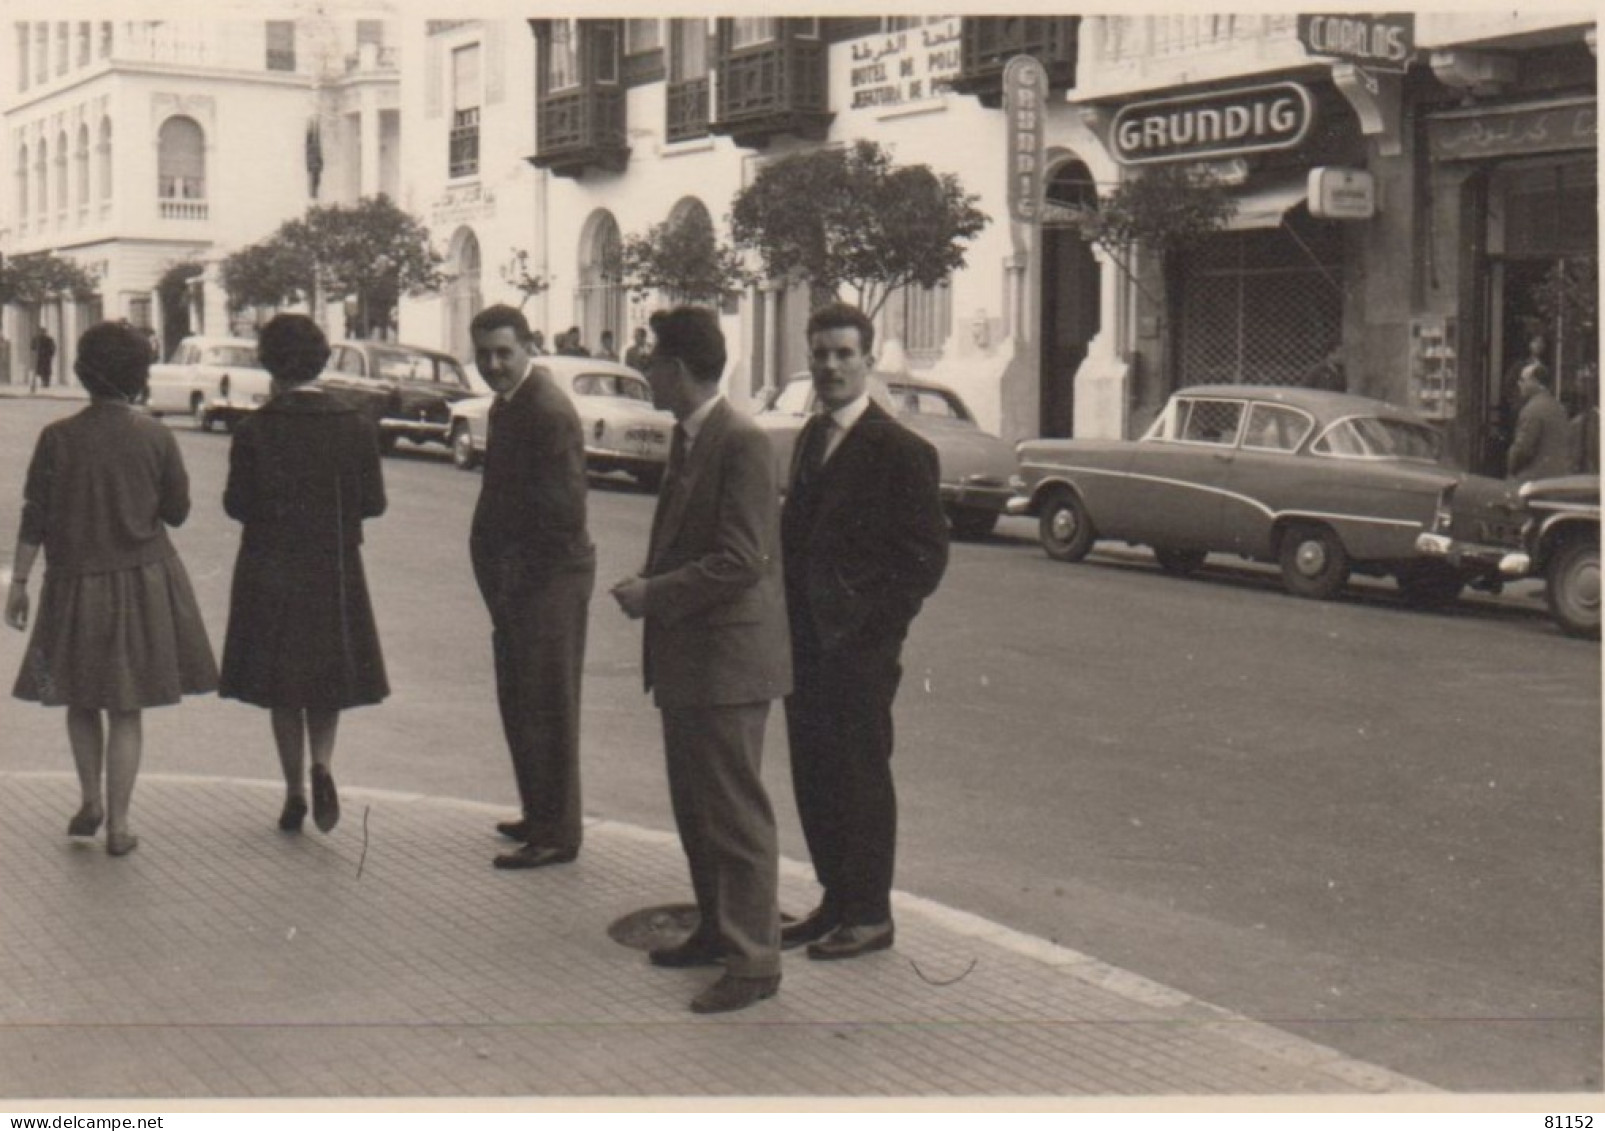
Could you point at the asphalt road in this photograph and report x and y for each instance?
(1375, 827)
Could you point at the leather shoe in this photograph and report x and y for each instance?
(325, 800)
(515, 830)
(295, 811)
(535, 856)
(120, 844)
(730, 993)
(85, 822)
(693, 951)
(851, 940)
(817, 925)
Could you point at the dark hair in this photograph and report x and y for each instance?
(691, 335)
(501, 317)
(844, 316)
(293, 348)
(113, 361)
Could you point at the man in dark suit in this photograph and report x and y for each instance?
(536, 567)
(1542, 446)
(865, 542)
(715, 654)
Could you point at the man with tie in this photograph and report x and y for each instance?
(536, 568)
(715, 655)
(864, 543)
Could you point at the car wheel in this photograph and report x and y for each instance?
(971, 524)
(1314, 563)
(230, 422)
(196, 403)
(462, 446)
(1573, 588)
(207, 421)
(1181, 562)
(1430, 587)
(1066, 528)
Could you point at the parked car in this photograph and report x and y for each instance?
(623, 432)
(409, 390)
(975, 465)
(1324, 484)
(1546, 528)
(202, 369)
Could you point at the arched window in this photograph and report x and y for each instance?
(601, 296)
(181, 160)
(463, 296)
(103, 156)
(22, 185)
(61, 171)
(81, 167)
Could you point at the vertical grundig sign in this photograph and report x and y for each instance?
(1025, 96)
(1218, 124)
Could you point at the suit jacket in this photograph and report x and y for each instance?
(865, 542)
(530, 519)
(716, 632)
(1543, 443)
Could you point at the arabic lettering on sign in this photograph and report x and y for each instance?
(905, 66)
(1525, 131)
(465, 202)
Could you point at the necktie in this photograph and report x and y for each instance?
(676, 455)
(813, 454)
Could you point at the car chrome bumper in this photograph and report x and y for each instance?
(1017, 505)
(407, 426)
(1508, 562)
(975, 496)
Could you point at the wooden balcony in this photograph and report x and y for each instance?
(987, 43)
(772, 89)
(688, 110)
(579, 129)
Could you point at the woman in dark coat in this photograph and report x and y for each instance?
(118, 628)
(303, 474)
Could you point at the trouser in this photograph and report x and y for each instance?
(538, 638)
(726, 825)
(839, 724)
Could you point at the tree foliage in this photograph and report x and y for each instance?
(1166, 208)
(683, 259)
(371, 251)
(517, 274)
(43, 277)
(849, 218)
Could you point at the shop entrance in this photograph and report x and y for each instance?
(1070, 300)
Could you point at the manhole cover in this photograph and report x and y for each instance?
(654, 926)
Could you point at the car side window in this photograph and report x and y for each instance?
(448, 372)
(635, 390)
(794, 399)
(347, 360)
(1210, 422)
(1275, 428)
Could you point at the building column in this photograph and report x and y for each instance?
(368, 126)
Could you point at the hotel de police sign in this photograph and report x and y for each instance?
(1218, 124)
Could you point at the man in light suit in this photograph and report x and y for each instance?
(715, 655)
(1543, 444)
(864, 542)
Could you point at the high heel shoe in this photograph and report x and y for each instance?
(85, 822)
(121, 844)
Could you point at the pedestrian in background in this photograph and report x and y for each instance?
(1328, 373)
(303, 474)
(572, 343)
(1543, 444)
(535, 567)
(5, 359)
(640, 353)
(865, 542)
(715, 655)
(44, 359)
(118, 628)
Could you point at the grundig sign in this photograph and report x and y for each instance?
(1219, 124)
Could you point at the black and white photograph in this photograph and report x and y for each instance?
(820, 557)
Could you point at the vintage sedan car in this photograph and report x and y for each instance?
(975, 465)
(1546, 528)
(202, 369)
(623, 432)
(408, 390)
(1323, 484)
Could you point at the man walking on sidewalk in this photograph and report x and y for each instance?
(714, 655)
(44, 359)
(536, 567)
(865, 543)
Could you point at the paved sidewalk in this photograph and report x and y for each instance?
(388, 959)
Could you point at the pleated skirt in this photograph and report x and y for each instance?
(118, 641)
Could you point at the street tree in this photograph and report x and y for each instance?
(172, 294)
(44, 277)
(681, 258)
(516, 273)
(267, 274)
(850, 219)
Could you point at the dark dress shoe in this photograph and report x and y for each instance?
(731, 993)
(817, 925)
(693, 951)
(325, 800)
(535, 856)
(515, 830)
(295, 811)
(850, 941)
(85, 822)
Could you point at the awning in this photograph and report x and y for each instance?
(1265, 205)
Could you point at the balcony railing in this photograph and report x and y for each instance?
(779, 87)
(579, 128)
(688, 109)
(182, 209)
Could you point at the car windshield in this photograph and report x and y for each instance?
(920, 400)
(240, 357)
(1376, 437)
(394, 365)
(611, 385)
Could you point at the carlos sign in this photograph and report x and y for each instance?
(1379, 41)
(1219, 124)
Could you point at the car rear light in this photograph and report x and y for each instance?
(599, 429)
(222, 386)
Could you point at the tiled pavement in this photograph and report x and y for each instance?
(225, 959)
